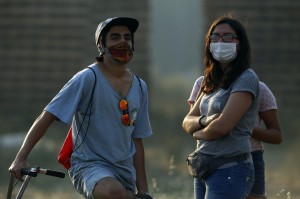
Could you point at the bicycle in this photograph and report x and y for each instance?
(30, 172)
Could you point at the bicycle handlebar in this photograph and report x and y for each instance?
(30, 172)
(34, 171)
(54, 173)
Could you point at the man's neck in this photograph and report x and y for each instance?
(119, 77)
(113, 69)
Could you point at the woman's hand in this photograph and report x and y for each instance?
(208, 119)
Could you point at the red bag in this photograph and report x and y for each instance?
(64, 155)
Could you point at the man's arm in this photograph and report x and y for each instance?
(139, 164)
(35, 133)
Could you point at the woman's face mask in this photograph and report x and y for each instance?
(223, 52)
(121, 52)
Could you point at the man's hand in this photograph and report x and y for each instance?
(16, 166)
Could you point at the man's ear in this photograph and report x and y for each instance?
(100, 48)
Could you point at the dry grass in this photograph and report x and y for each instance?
(167, 174)
(168, 177)
(282, 183)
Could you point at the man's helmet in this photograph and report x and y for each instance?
(104, 26)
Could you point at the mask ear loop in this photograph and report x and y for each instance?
(100, 46)
(103, 50)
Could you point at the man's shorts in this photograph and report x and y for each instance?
(86, 175)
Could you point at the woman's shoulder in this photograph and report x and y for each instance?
(199, 80)
(263, 86)
(247, 76)
(266, 92)
(249, 72)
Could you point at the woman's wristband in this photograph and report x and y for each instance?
(200, 118)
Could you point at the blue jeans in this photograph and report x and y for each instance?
(234, 182)
(258, 188)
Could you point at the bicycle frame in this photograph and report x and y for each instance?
(30, 172)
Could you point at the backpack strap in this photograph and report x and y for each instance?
(140, 83)
(88, 108)
(140, 86)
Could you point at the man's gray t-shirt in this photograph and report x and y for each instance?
(237, 141)
(107, 139)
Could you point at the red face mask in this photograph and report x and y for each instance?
(122, 52)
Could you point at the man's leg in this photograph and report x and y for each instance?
(110, 188)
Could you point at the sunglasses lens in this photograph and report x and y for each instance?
(125, 119)
(123, 104)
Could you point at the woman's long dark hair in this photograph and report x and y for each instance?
(214, 76)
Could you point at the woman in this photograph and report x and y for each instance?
(224, 114)
(270, 134)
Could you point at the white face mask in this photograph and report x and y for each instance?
(223, 52)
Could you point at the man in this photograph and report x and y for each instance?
(108, 108)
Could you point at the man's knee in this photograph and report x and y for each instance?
(109, 188)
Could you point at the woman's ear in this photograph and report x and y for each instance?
(238, 47)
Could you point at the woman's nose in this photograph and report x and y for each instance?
(220, 39)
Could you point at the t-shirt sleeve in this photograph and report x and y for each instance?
(65, 103)
(268, 100)
(195, 90)
(247, 82)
